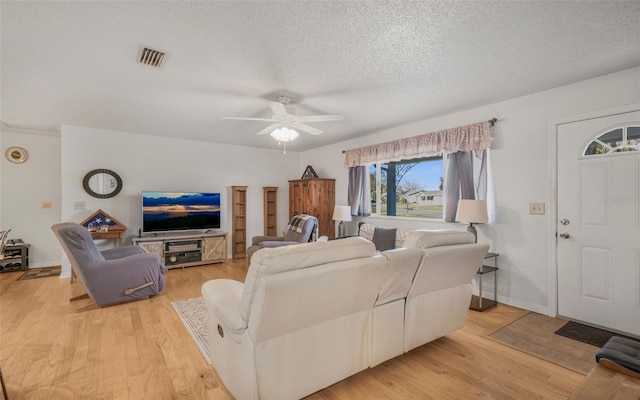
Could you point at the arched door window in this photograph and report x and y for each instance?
(616, 140)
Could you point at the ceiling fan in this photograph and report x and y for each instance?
(282, 119)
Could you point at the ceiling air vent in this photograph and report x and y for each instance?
(151, 57)
(35, 129)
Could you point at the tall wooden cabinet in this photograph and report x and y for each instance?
(270, 209)
(239, 221)
(315, 197)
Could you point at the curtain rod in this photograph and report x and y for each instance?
(492, 121)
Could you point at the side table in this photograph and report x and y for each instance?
(479, 303)
(15, 257)
(108, 235)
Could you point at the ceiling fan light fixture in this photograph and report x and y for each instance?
(284, 134)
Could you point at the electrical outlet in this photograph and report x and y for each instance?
(46, 204)
(79, 205)
(536, 208)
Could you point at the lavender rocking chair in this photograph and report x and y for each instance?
(110, 276)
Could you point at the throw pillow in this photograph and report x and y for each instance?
(384, 238)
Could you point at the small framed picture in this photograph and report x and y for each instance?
(309, 173)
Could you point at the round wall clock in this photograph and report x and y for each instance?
(16, 155)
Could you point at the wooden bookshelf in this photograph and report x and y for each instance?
(270, 209)
(239, 221)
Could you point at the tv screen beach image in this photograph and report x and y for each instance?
(168, 211)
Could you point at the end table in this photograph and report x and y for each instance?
(479, 303)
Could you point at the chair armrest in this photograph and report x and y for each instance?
(119, 252)
(256, 240)
(270, 244)
(223, 297)
(126, 269)
(113, 281)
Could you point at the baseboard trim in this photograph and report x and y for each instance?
(518, 304)
(44, 264)
(525, 306)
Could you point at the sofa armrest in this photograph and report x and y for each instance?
(256, 240)
(125, 268)
(270, 244)
(428, 238)
(223, 296)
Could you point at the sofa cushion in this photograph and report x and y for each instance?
(621, 351)
(401, 267)
(366, 231)
(275, 260)
(425, 239)
(384, 238)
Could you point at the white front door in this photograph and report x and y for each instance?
(599, 222)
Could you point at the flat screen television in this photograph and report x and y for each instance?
(172, 211)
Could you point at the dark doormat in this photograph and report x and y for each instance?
(40, 273)
(587, 334)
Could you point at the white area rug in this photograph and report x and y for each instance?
(193, 314)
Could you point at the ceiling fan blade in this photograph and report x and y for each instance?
(306, 128)
(268, 129)
(251, 119)
(277, 108)
(319, 118)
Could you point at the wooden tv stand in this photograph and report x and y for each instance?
(178, 250)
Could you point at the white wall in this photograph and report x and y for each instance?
(24, 187)
(519, 156)
(155, 163)
(520, 160)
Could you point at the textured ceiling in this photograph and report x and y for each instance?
(380, 64)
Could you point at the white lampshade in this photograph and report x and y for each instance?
(284, 134)
(342, 213)
(472, 211)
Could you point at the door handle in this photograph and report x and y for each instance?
(565, 235)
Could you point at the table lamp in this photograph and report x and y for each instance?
(341, 213)
(473, 212)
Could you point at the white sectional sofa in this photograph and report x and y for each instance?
(313, 314)
(426, 290)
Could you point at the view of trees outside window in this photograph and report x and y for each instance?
(618, 140)
(415, 187)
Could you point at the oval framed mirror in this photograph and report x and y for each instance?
(102, 183)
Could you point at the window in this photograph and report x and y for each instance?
(617, 140)
(408, 188)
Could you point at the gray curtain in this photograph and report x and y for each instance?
(466, 178)
(359, 195)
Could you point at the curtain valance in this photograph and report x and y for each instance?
(463, 138)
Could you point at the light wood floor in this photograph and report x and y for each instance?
(53, 349)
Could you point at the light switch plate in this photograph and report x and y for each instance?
(536, 208)
(79, 205)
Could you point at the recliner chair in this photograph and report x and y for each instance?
(302, 229)
(301, 321)
(114, 275)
